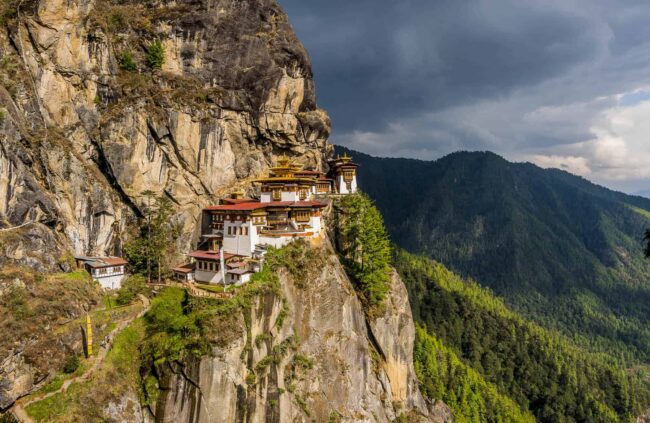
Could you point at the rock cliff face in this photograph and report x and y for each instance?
(81, 138)
(325, 361)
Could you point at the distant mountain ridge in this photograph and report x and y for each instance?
(643, 193)
(556, 247)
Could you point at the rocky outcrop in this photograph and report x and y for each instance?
(81, 138)
(307, 354)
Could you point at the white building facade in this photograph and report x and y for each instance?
(344, 173)
(109, 272)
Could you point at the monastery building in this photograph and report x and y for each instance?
(237, 232)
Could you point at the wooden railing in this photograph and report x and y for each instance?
(194, 290)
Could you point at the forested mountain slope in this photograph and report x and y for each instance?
(472, 351)
(556, 247)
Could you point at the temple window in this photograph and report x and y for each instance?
(302, 216)
(277, 195)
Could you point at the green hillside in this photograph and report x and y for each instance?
(478, 356)
(558, 249)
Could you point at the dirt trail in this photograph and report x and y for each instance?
(19, 407)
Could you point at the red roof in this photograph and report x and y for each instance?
(104, 261)
(210, 255)
(237, 207)
(114, 260)
(258, 205)
(185, 268)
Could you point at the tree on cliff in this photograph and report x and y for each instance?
(363, 242)
(646, 238)
(154, 249)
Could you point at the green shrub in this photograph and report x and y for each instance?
(117, 21)
(127, 62)
(151, 390)
(71, 364)
(3, 113)
(156, 55)
(131, 287)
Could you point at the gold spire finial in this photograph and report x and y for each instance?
(283, 161)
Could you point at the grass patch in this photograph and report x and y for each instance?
(53, 408)
(76, 276)
(54, 385)
(211, 288)
(109, 301)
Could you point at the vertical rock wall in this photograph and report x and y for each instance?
(326, 362)
(81, 138)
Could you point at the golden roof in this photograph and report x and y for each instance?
(284, 171)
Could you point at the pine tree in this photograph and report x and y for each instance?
(365, 246)
(156, 55)
(154, 248)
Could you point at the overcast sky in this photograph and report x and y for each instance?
(560, 83)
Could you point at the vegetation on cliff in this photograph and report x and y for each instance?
(363, 244)
(540, 370)
(180, 326)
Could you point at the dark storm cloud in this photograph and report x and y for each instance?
(523, 78)
(377, 59)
